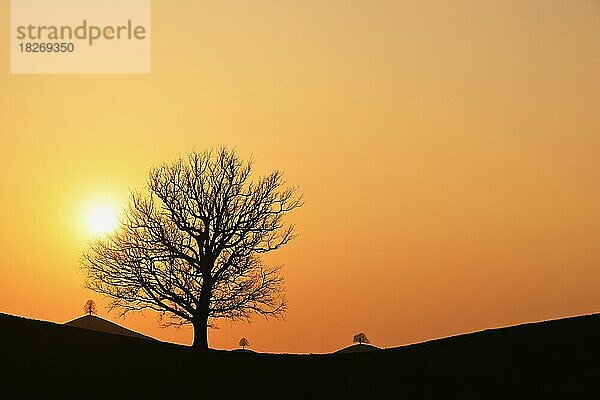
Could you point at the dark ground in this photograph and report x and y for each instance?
(558, 359)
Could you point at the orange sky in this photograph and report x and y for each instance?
(448, 155)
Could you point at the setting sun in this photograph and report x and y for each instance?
(102, 219)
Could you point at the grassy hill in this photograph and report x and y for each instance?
(95, 323)
(548, 360)
(357, 348)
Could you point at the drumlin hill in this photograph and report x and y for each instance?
(85, 31)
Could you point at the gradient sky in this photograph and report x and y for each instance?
(448, 153)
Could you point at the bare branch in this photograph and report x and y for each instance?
(190, 247)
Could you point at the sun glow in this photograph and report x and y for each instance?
(102, 219)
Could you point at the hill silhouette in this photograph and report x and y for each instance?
(357, 348)
(243, 350)
(94, 323)
(556, 359)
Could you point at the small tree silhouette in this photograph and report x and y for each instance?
(90, 307)
(360, 338)
(244, 342)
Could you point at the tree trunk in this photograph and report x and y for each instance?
(200, 322)
(200, 334)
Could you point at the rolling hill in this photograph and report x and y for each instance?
(94, 323)
(557, 359)
(357, 348)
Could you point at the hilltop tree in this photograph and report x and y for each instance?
(90, 307)
(360, 338)
(190, 246)
(244, 342)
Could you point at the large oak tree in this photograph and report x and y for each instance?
(190, 246)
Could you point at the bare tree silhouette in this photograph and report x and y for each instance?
(190, 247)
(360, 338)
(243, 343)
(90, 307)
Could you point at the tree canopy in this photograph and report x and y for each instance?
(360, 338)
(190, 246)
(90, 307)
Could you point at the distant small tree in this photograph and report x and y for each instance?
(360, 338)
(90, 307)
(244, 342)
